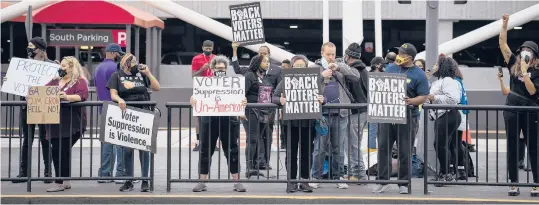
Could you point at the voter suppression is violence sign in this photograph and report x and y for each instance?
(24, 73)
(247, 26)
(133, 128)
(301, 91)
(86, 37)
(219, 96)
(386, 98)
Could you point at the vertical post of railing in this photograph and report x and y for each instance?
(29, 156)
(411, 137)
(152, 160)
(425, 150)
(169, 144)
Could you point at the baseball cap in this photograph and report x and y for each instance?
(531, 45)
(207, 43)
(409, 49)
(112, 47)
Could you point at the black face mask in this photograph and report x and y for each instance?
(31, 52)
(134, 69)
(219, 73)
(62, 73)
(207, 53)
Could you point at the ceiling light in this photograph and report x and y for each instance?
(293, 26)
(286, 43)
(518, 27)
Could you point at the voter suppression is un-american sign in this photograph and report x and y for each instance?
(133, 128)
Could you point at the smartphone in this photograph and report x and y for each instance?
(500, 70)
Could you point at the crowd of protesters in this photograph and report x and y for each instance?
(331, 139)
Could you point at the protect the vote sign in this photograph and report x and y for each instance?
(25, 73)
(133, 128)
(219, 96)
(386, 98)
(301, 91)
(247, 26)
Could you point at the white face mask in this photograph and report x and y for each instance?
(523, 54)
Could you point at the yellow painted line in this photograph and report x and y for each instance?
(274, 197)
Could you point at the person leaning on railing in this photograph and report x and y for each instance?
(446, 90)
(73, 88)
(524, 82)
(301, 136)
(132, 83)
(224, 128)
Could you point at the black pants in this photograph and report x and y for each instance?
(259, 139)
(515, 123)
(445, 131)
(301, 140)
(224, 129)
(282, 136)
(459, 150)
(404, 135)
(28, 133)
(61, 155)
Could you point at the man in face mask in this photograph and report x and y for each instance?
(102, 75)
(200, 66)
(416, 94)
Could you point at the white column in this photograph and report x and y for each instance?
(20, 8)
(352, 22)
(378, 28)
(488, 31)
(325, 21)
(446, 32)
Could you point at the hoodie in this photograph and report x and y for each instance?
(359, 85)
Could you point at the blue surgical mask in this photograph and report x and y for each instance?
(324, 62)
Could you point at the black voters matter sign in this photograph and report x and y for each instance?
(133, 128)
(386, 98)
(301, 91)
(247, 27)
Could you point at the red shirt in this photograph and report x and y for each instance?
(199, 61)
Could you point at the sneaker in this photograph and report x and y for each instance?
(145, 186)
(342, 185)
(291, 188)
(200, 187)
(67, 184)
(196, 148)
(56, 188)
(127, 186)
(20, 176)
(101, 181)
(535, 192)
(380, 188)
(239, 188)
(353, 178)
(304, 187)
(314, 185)
(136, 181)
(403, 190)
(119, 181)
(47, 181)
(443, 178)
(514, 191)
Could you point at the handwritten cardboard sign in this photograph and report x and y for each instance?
(24, 73)
(43, 105)
(219, 96)
(134, 128)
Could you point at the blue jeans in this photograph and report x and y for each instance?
(330, 144)
(144, 158)
(109, 154)
(352, 145)
(373, 132)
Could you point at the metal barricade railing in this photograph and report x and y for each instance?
(88, 107)
(187, 166)
(452, 168)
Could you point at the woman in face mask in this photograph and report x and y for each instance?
(224, 128)
(300, 137)
(73, 87)
(132, 83)
(524, 82)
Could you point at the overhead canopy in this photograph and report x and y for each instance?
(91, 12)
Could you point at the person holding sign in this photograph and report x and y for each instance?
(131, 83)
(301, 136)
(73, 87)
(224, 128)
(417, 92)
(447, 90)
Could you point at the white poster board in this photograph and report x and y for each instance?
(219, 96)
(133, 128)
(24, 73)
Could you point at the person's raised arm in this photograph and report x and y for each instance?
(154, 83)
(235, 63)
(506, 51)
(505, 90)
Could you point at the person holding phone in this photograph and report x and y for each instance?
(524, 82)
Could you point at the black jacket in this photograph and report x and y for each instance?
(273, 76)
(359, 88)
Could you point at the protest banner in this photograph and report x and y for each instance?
(247, 24)
(386, 98)
(24, 73)
(43, 105)
(219, 96)
(301, 91)
(133, 128)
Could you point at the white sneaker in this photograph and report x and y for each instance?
(380, 188)
(314, 185)
(342, 185)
